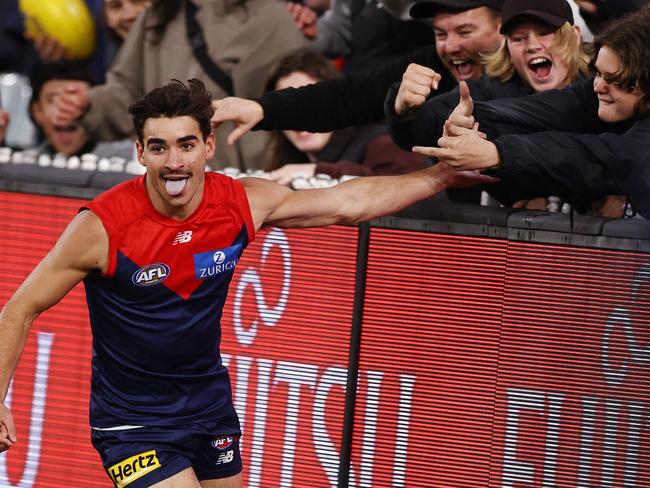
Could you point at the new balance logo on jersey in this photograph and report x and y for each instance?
(183, 237)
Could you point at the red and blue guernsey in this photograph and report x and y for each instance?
(156, 312)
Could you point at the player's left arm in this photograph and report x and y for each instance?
(82, 248)
(350, 202)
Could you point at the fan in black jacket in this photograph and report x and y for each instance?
(581, 141)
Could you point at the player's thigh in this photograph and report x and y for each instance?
(229, 482)
(184, 479)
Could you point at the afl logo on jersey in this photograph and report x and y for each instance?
(150, 275)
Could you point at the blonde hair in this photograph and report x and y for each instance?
(499, 65)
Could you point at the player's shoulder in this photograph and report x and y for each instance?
(253, 181)
(122, 203)
(125, 190)
(256, 183)
(264, 193)
(213, 177)
(87, 223)
(220, 186)
(84, 243)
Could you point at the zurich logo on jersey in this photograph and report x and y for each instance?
(151, 274)
(214, 263)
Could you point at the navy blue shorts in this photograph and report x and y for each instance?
(140, 457)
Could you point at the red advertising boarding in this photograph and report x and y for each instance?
(520, 365)
(429, 350)
(573, 392)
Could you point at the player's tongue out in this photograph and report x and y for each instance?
(175, 186)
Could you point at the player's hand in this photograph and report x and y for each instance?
(417, 84)
(289, 172)
(461, 179)
(4, 123)
(7, 429)
(244, 113)
(70, 104)
(304, 18)
(465, 152)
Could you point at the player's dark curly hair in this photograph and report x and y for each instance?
(628, 38)
(174, 100)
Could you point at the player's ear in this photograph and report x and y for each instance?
(210, 146)
(139, 149)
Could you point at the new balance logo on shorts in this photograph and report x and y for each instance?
(133, 468)
(182, 237)
(225, 457)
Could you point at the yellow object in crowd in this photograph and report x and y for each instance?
(67, 21)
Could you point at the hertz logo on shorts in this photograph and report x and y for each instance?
(133, 468)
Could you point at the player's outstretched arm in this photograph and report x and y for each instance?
(82, 248)
(350, 202)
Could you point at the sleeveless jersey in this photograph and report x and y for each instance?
(155, 314)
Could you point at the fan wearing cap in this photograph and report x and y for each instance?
(541, 45)
(541, 50)
(464, 30)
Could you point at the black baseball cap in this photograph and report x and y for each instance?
(552, 12)
(427, 9)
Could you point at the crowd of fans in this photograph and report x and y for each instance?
(553, 96)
